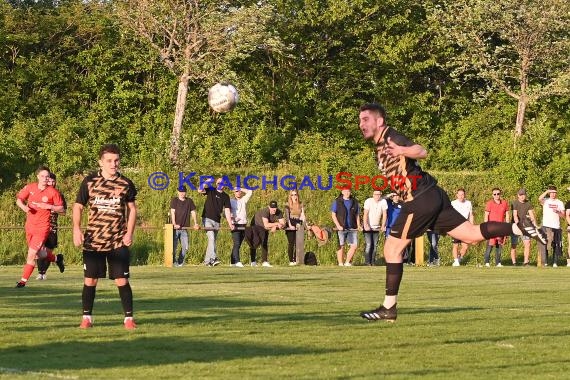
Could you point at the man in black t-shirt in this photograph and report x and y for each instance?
(216, 202)
(110, 198)
(426, 205)
(181, 208)
(522, 212)
(270, 219)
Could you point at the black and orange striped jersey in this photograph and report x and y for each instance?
(54, 215)
(107, 200)
(404, 175)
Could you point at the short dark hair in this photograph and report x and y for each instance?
(552, 187)
(52, 176)
(41, 168)
(109, 148)
(460, 189)
(375, 107)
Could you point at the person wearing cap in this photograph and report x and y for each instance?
(181, 209)
(270, 219)
(552, 211)
(522, 212)
(345, 213)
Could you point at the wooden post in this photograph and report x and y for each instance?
(168, 244)
(419, 250)
(300, 244)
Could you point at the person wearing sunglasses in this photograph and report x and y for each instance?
(496, 210)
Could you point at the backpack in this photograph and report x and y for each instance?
(310, 258)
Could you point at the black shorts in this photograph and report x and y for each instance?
(455, 241)
(95, 263)
(431, 210)
(51, 241)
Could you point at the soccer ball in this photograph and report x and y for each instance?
(223, 97)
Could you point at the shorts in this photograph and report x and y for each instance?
(348, 237)
(51, 241)
(496, 241)
(455, 241)
(36, 239)
(431, 210)
(515, 239)
(95, 263)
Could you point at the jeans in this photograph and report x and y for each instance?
(212, 236)
(237, 236)
(371, 238)
(181, 235)
(554, 240)
(433, 241)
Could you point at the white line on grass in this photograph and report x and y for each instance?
(19, 371)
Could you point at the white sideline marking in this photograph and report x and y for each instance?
(19, 371)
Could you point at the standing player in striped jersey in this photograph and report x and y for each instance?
(51, 241)
(426, 205)
(38, 200)
(110, 198)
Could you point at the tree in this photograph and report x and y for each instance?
(521, 47)
(198, 39)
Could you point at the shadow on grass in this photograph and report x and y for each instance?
(143, 351)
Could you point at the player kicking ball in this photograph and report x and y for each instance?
(426, 205)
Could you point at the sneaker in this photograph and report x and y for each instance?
(20, 284)
(487, 265)
(389, 315)
(216, 262)
(525, 264)
(238, 264)
(455, 263)
(41, 277)
(292, 263)
(347, 264)
(533, 232)
(86, 323)
(499, 265)
(59, 262)
(130, 324)
(554, 265)
(266, 264)
(253, 264)
(340, 264)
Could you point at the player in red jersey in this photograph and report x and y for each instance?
(38, 200)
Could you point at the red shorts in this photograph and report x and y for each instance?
(497, 240)
(36, 239)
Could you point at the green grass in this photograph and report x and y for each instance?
(290, 322)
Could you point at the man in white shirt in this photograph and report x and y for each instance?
(238, 210)
(465, 208)
(374, 219)
(552, 211)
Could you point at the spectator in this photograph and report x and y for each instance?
(464, 207)
(294, 216)
(374, 221)
(568, 229)
(433, 238)
(217, 202)
(496, 210)
(522, 212)
(270, 219)
(345, 213)
(552, 211)
(181, 208)
(239, 216)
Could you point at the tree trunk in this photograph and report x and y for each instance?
(520, 115)
(178, 118)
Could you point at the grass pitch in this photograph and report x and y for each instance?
(290, 322)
